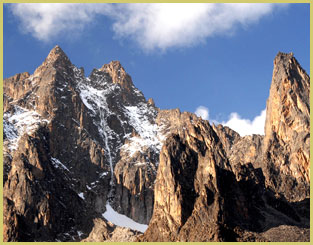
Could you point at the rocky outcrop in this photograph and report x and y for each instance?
(227, 136)
(287, 130)
(200, 196)
(197, 195)
(42, 204)
(213, 185)
(185, 188)
(134, 192)
(107, 232)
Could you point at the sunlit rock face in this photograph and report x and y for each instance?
(80, 125)
(81, 152)
(238, 188)
(287, 129)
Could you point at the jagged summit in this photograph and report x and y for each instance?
(56, 54)
(285, 62)
(58, 58)
(282, 55)
(288, 123)
(118, 74)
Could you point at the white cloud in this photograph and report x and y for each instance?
(202, 112)
(46, 21)
(157, 26)
(235, 122)
(246, 126)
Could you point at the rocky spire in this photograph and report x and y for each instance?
(56, 58)
(56, 54)
(118, 74)
(288, 106)
(287, 127)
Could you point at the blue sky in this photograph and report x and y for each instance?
(217, 58)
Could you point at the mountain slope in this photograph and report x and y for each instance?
(87, 121)
(77, 149)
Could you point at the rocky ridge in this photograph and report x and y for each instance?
(86, 120)
(75, 144)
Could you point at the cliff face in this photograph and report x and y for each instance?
(86, 122)
(75, 144)
(39, 200)
(213, 185)
(287, 130)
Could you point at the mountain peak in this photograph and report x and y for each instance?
(56, 54)
(290, 89)
(56, 58)
(118, 74)
(288, 122)
(113, 67)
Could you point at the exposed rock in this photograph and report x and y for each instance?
(250, 193)
(227, 136)
(151, 102)
(11, 224)
(86, 121)
(40, 196)
(134, 193)
(17, 86)
(286, 233)
(107, 232)
(73, 143)
(287, 130)
(187, 200)
(101, 231)
(121, 234)
(136, 169)
(199, 196)
(118, 74)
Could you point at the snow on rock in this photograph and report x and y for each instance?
(140, 163)
(103, 174)
(81, 195)
(95, 100)
(80, 233)
(149, 133)
(20, 122)
(58, 164)
(121, 220)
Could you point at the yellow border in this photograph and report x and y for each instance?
(311, 115)
(137, 1)
(1, 126)
(160, 1)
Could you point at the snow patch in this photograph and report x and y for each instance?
(57, 163)
(121, 220)
(149, 134)
(80, 233)
(103, 174)
(81, 195)
(20, 122)
(95, 100)
(140, 163)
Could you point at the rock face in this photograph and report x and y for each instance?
(107, 232)
(39, 196)
(73, 144)
(80, 124)
(213, 185)
(287, 129)
(187, 199)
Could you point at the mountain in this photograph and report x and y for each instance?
(84, 156)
